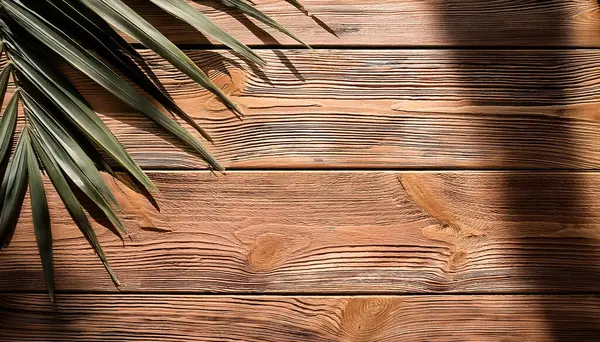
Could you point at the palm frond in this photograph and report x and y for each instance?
(127, 20)
(12, 192)
(185, 12)
(8, 123)
(63, 135)
(41, 214)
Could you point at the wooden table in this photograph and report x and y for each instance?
(428, 173)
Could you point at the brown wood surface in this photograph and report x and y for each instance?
(381, 109)
(397, 255)
(168, 318)
(335, 232)
(402, 23)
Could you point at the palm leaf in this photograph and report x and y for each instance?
(70, 200)
(4, 76)
(94, 23)
(63, 135)
(72, 160)
(41, 215)
(127, 20)
(7, 126)
(298, 5)
(86, 62)
(184, 11)
(83, 117)
(117, 52)
(12, 192)
(41, 116)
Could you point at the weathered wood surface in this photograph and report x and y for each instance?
(402, 23)
(168, 318)
(336, 232)
(381, 109)
(302, 256)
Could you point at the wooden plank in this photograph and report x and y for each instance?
(336, 232)
(272, 318)
(403, 23)
(331, 109)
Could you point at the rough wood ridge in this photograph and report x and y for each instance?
(168, 318)
(388, 109)
(336, 232)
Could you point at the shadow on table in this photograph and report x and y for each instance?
(553, 228)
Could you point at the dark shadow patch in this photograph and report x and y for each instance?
(554, 263)
(288, 64)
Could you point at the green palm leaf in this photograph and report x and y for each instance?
(125, 19)
(41, 214)
(70, 200)
(7, 126)
(12, 192)
(73, 161)
(297, 4)
(4, 76)
(184, 11)
(83, 117)
(86, 62)
(42, 117)
(119, 53)
(62, 134)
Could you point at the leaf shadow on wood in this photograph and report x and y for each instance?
(550, 220)
(323, 25)
(256, 30)
(211, 61)
(288, 64)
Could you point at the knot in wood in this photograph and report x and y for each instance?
(364, 317)
(267, 252)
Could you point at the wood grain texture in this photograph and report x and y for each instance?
(380, 109)
(342, 255)
(336, 232)
(402, 23)
(166, 318)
